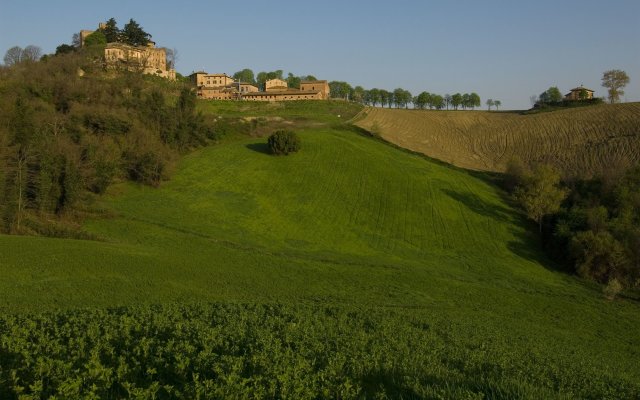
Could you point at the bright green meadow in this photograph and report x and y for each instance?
(351, 269)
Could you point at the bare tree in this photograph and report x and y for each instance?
(13, 56)
(533, 99)
(447, 100)
(31, 53)
(76, 41)
(17, 54)
(172, 57)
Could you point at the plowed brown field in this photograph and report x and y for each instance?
(579, 141)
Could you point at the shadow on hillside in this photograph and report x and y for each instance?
(259, 148)
(529, 246)
(476, 204)
(527, 243)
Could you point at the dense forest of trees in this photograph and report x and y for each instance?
(67, 130)
(591, 225)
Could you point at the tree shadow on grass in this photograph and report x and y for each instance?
(527, 245)
(481, 207)
(259, 148)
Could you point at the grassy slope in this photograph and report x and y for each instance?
(347, 221)
(580, 140)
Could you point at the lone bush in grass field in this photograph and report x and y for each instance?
(283, 142)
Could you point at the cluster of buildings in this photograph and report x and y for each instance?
(224, 87)
(153, 61)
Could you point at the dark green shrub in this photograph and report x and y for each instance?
(283, 142)
(145, 167)
(106, 124)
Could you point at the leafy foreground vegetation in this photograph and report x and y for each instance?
(241, 351)
(349, 269)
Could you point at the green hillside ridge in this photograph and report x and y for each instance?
(352, 225)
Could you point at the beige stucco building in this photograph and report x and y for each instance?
(245, 88)
(223, 87)
(146, 59)
(275, 85)
(219, 86)
(317, 86)
(203, 79)
(574, 94)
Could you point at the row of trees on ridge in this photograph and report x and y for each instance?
(399, 98)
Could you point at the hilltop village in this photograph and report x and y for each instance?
(152, 60)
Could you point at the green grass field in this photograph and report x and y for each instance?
(407, 277)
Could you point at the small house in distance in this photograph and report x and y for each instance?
(579, 93)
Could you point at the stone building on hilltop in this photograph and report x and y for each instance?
(148, 59)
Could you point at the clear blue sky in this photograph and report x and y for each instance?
(501, 49)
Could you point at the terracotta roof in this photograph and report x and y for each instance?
(212, 87)
(283, 93)
(301, 82)
(208, 74)
(580, 88)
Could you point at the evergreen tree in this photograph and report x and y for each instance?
(134, 35)
(111, 31)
